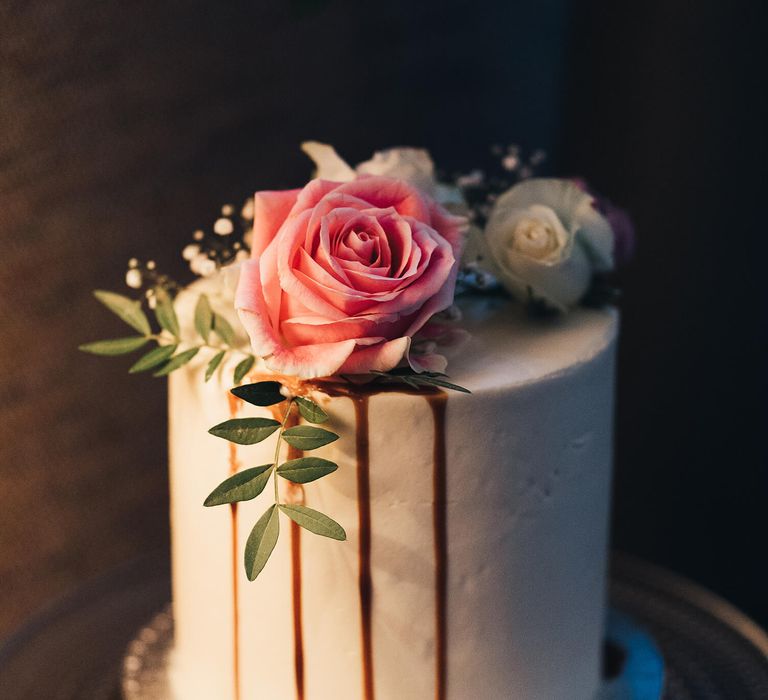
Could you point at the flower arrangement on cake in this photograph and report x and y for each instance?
(355, 284)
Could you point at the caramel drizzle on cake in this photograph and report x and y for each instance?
(360, 395)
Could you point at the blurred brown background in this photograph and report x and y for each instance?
(124, 126)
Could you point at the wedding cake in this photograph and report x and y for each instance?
(444, 533)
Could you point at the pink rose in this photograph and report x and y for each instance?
(343, 275)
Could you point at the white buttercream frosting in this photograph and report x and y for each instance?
(528, 481)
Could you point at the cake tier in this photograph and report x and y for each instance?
(477, 524)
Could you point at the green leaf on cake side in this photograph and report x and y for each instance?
(242, 486)
(115, 346)
(243, 367)
(176, 361)
(245, 431)
(416, 380)
(306, 469)
(261, 542)
(314, 521)
(127, 309)
(260, 393)
(223, 329)
(310, 411)
(307, 437)
(165, 313)
(214, 364)
(203, 317)
(153, 358)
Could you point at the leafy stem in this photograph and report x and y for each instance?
(278, 444)
(249, 483)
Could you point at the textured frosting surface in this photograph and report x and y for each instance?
(528, 482)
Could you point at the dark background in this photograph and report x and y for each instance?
(124, 126)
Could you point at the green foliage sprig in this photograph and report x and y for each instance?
(249, 483)
(214, 331)
(416, 380)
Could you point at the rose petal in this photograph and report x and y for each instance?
(310, 361)
(428, 363)
(270, 210)
(304, 330)
(252, 310)
(381, 357)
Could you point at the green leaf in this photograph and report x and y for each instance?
(223, 329)
(214, 363)
(243, 367)
(260, 393)
(437, 381)
(306, 469)
(115, 346)
(176, 361)
(417, 379)
(203, 317)
(314, 521)
(153, 358)
(261, 542)
(311, 411)
(127, 309)
(242, 486)
(307, 437)
(245, 431)
(165, 313)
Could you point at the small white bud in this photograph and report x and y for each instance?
(133, 262)
(223, 227)
(151, 265)
(152, 301)
(247, 211)
(198, 235)
(133, 278)
(207, 268)
(190, 251)
(227, 210)
(285, 391)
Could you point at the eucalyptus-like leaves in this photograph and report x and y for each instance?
(261, 542)
(260, 393)
(243, 486)
(161, 358)
(250, 483)
(245, 431)
(307, 437)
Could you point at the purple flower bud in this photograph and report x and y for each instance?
(619, 220)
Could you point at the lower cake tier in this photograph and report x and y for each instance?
(475, 561)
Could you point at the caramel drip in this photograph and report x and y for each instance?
(437, 403)
(234, 405)
(364, 524)
(296, 495)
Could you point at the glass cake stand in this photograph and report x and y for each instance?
(668, 639)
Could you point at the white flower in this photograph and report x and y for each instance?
(202, 265)
(223, 227)
(545, 239)
(190, 251)
(220, 289)
(414, 165)
(133, 278)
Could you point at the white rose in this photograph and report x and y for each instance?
(414, 165)
(545, 239)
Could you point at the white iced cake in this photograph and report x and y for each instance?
(475, 559)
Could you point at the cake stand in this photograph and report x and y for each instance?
(668, 639)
